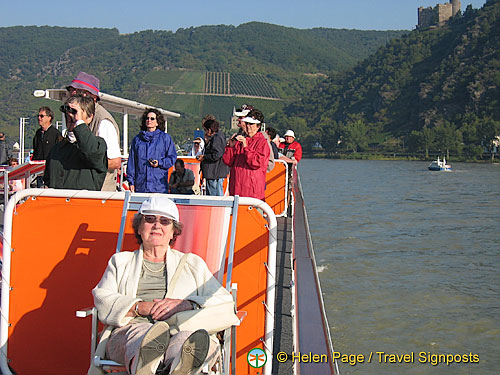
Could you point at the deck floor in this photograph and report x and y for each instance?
(283, 334)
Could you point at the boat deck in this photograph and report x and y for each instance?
(283, 333)
(306, 333)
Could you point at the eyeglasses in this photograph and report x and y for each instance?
(42, 116)
(197, 143)
(67, 109)
(151, 219)
(151, 118)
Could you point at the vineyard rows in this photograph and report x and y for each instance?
(217, 83)
(252, 84)
(238, 84)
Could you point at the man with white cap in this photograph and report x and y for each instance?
(103, 125)
(291, 149)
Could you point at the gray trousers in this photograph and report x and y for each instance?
(124, 344)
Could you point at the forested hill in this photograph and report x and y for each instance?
(433, 89)
(43, 57)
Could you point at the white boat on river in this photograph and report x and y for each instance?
(439, 165)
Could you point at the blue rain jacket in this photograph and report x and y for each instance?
(156, 145)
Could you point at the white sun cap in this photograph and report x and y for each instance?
(289, 133)
(251, 120)
(159, 205)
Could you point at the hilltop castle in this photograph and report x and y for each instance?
(438, 15)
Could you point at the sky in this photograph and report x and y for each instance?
(130, 16)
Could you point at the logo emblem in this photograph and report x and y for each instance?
(256, 358)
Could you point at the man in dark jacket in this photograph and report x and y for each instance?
(79, 161)
(45, 137)
(213, 168)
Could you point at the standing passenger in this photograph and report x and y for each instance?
(79, 160)
(45, 138)
(271, 132)
(102, 125)
(198, 147)
(248, 157)
(152, 153)
(291, 149)
(213, 168)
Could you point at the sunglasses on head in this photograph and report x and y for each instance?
(67, 109)
(151, 219)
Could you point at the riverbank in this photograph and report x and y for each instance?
(396, 156)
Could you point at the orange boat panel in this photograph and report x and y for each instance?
(276, 188)
(60, 250)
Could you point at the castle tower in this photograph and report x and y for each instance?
(455, 4)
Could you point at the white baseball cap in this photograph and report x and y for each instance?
(160, 205)
(289, 133)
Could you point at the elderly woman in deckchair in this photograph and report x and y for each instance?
(140, 290)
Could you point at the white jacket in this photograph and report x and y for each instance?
(116, 292)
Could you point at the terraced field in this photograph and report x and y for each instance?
(176, 80)
(252, 85)
(195, 94)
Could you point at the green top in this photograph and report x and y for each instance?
(152, 284)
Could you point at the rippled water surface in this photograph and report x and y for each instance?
(410, 260)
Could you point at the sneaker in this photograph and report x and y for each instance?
(194, 352)
(153, 347)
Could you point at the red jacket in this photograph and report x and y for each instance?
(247, 177)
(293, 146)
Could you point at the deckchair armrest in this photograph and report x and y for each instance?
(83, 313)
(241, 315)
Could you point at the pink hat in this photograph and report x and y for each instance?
(87, 82)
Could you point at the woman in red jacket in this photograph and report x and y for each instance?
(248, 156)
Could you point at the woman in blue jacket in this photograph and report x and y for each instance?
(151, 154)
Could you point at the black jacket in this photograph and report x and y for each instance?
(79, 165)
(44, 141)
(212, 165)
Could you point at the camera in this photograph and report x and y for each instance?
(67, 109)
(240, 132)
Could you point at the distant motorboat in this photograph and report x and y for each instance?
(439, 165)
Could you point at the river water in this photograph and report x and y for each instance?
(409, 262)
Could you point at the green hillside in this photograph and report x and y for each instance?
(148, 65)
(435, 90)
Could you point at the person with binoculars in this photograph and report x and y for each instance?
(79, 161)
